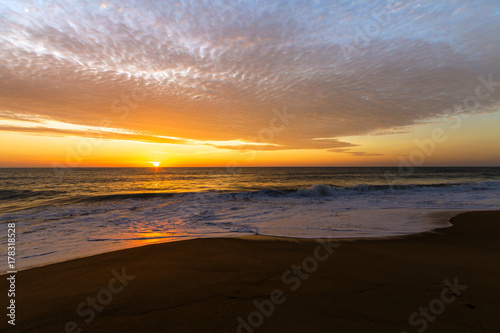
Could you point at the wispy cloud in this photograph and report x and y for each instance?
(353, 153)
(213, 72)
(13, 122)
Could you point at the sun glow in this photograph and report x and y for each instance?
(156, 164)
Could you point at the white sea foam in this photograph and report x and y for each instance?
(59, 233)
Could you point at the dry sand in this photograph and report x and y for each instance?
(204, 285)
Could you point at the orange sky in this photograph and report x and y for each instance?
(209, 85)
(456, 146)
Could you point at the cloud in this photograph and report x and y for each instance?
(13, 122)
(215, 71)
(353, 153)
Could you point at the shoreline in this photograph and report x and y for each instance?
(206, 284)
(439, 217)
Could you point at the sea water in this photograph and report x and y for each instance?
(61, 215)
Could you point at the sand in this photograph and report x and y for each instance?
(204, 285)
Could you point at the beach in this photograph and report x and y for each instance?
(275, 285)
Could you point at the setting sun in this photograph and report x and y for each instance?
(156, 164)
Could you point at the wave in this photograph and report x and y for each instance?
(13, 200)
(98, 223)
(24, 199)
(27, 194)
(323, 190)
(125, 196)
(326, 190)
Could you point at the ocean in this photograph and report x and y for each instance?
(71, 213)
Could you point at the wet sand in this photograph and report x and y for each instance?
(447, 280)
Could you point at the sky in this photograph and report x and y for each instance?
(249, 83)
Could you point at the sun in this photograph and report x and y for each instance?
(156, 164)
